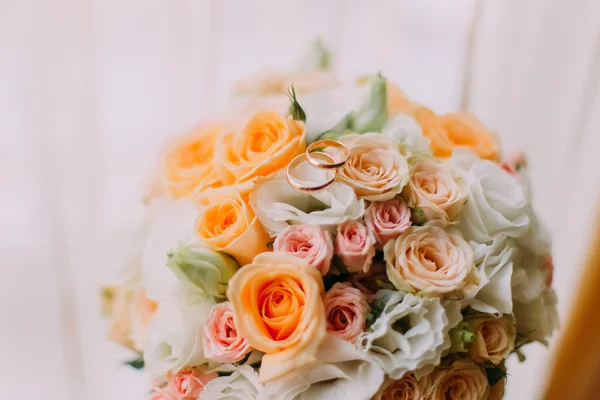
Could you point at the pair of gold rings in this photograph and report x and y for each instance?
(316, 157)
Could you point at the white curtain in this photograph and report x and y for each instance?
(90, 88)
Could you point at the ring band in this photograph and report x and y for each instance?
(296, 183)
(311, 150)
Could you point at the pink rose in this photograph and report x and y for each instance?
(346, 308)
(162, 393)
(220, 337)
(388, 219)
(355, 246)
(308, 242)
(188, 383)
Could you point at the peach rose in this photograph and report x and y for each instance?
(308, 242)
(220, 338)
(387, 220)
(430, 261)
(355, 246)
(163, 393)
(131, 312)
(187, 164)
(406, 388)
(434, 190)
(346, 309)
(278, 309)
(494, 338)
(462, 380)
(456, 130)
(187, 384)
(376, 170)
(228, 224)
(265, 145)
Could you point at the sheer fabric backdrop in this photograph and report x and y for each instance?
(89, 90)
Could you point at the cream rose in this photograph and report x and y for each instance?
(376, 170)
(462, 380)
(494, 338)
(387, 220)
(433, 188)
(406, 388)
(228, 224)
(308, 242)
(346, 309)
(278, 309)
(265, 145)
(355, 246)
(430, 261)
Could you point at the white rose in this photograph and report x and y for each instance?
(496, 203)
(242, 384)
(408, 134)
(172, 223)
(495, 263)
(277, 205)
(537, 319)
(418, 343)
(341, 372)
(174, 340)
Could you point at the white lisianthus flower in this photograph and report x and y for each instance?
(408, 134)
(495, 263)
(537, 319)
(242, 384)
(496, 203)
(277, 205)
(411, 333)
(342, 372)
(174, 339)
(172, 223)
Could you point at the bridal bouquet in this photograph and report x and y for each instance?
(346, 243)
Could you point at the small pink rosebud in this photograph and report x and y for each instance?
(308, 242)
(355, 246)
(188, 383)
(346, 309)
(220, 337)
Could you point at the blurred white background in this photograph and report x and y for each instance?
(89, 89)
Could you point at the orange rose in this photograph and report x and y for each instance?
(188, 162)
(228, 224)
(457, 130)
(264, 146)
(278, 309)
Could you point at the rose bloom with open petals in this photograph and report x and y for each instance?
(376, 170)
(308, 242)
(450, 131)
(406, 388)
(264, 146)
(346, 309)
(494, 338)
(187, 163)
(388, 219)
(279, 310)
(188, 383)
(355, 246)
(433, 188)
(220, 338)
(462, 380)
(430, 261)
(228, 224)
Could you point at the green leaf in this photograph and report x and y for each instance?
(338, 130)
(136, 363)
(417, 216)
(494, 373)
(372, 115)
(296, 110)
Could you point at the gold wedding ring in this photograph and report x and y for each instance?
(296, 184)
(313, 149)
